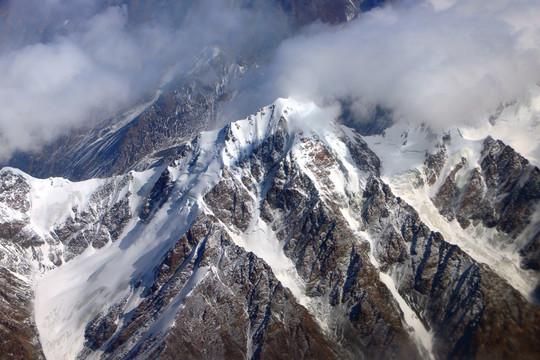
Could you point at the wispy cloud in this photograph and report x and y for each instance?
(436, 62)
(89, 60)
(439, 61)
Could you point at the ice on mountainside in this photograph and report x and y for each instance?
(334, 227)
(267, 223)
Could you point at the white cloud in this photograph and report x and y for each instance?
(46, 88)
(95, 60)
(450, 63)
(439, 61)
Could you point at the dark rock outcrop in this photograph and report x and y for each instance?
(228, 303)
(100, 222)
(472, 312)
(502, 193)
(328, 256)
(18, 334)
(158, 195)
(231, 202)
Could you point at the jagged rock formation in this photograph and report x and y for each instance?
(18, 335)
(503, 175)
(468, 307)
(238, 308)
(260, 240)
(501, 192)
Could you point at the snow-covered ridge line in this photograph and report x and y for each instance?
(353, 185)
(66, 297)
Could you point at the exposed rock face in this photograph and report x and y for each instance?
(230, 202)
(362, 156)
(434, 164)
(101, 328)
(531, 255)
(513, 182)
(468, 307)
(13, 197)
(158, 195)
(237, 309)
(14, 192)
(18, 335)
(448, 193)
(250, 299)
(15, 235)
(502, 193)
(100, 222)
(333, 262)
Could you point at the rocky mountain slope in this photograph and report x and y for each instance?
(144, 134)
(276, 237)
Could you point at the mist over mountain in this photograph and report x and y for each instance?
(378, 198)
(70, 66)
(428, 62)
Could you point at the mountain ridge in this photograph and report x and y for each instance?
(304, 206)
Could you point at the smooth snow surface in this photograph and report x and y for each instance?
(52, 200)
(401, 147)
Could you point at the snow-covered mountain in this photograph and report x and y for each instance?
(283, 235)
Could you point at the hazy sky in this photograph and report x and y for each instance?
(438, 62)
